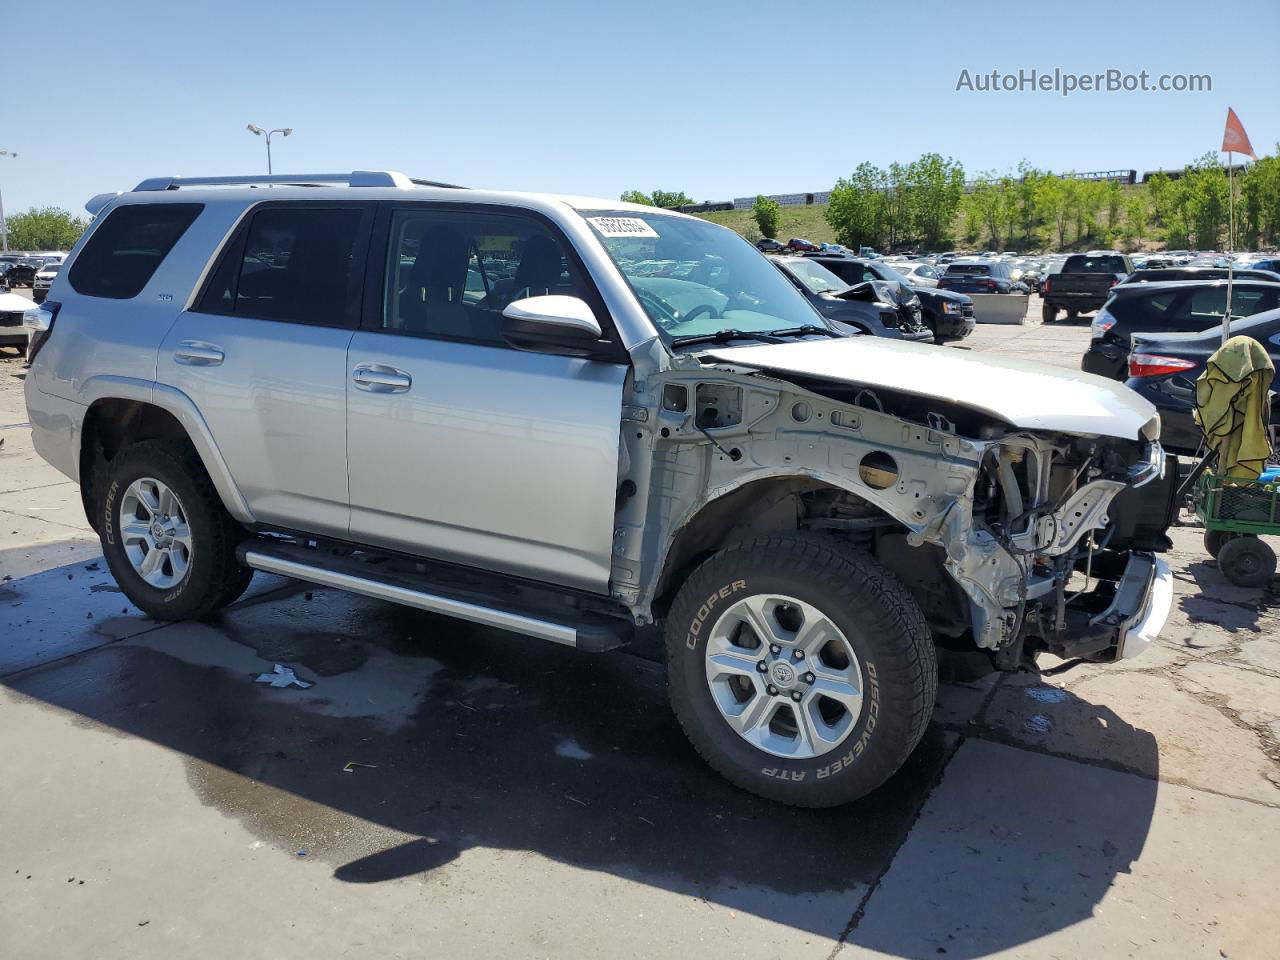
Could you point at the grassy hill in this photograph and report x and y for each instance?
(806, 222)
(810, 223)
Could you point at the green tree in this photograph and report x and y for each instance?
(1168, 209)
(659, 198)
(856, 210)
(1135, 219)
(767, 215)
(1053, 203)
(935, 190)
(44, 228)
(1258, 208)
(1026, 191)
(985, 206)
(1206, 201)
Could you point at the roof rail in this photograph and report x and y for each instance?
(357, 178)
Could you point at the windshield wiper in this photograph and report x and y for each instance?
(806, 330)
(724, 336)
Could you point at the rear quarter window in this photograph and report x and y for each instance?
(125, 251)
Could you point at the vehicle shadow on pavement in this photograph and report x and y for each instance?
(1218, 601)
(459, 737)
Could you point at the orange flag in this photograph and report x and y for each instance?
(1234, 139)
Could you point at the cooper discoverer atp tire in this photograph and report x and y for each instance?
(167, 539)
(800, 669)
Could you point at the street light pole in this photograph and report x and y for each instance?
(259, 132)
(4, 225)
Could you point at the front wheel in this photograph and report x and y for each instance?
(168, 540)
(800, 669)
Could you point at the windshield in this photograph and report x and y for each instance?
(1085, 264)
(816, 277)
(50, 268)
(694, 278)
(888, 273)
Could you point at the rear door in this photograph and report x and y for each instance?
(460, 447)
(263, 355)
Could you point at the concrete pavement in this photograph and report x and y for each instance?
(521, 799)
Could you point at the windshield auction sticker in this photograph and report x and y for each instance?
(622, 227)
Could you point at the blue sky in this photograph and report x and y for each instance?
(718, 99)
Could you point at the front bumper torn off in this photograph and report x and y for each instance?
(1141, 606)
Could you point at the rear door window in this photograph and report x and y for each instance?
(128, 247)
(299, 263)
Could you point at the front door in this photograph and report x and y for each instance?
(460, 447)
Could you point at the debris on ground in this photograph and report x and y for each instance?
(351, 766)
(282, 677)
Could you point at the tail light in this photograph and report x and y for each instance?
(1045, 284)
(1154, 365)
(38, 322)
(990, 284)
(1102, 322)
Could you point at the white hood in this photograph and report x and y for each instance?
(1026, 394)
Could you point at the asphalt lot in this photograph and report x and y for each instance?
(515, 798)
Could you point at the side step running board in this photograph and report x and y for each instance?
(592, 633)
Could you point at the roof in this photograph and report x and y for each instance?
(359, 184)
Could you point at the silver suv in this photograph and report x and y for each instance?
(579, 420)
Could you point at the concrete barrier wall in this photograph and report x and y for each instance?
(1000, 307)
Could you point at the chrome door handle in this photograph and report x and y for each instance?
(198, 353)
(380, 378)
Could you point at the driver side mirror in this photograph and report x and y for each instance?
(552, 324)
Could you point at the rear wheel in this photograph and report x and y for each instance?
(800, 669)
(1247, 562)
(168, 540)
(1215, 540)
(1048, 313)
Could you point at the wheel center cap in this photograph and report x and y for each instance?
(782, 674)
(158, 531)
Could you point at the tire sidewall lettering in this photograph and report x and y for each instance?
(706, 609)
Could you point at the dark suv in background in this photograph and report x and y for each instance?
(948, 314)
(1178, 307)
(873, 307)
(980, 276)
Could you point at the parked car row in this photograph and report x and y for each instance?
(20, 269)
(1156, 335)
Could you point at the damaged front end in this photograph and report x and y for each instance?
(1011, 540)
(1058, 549)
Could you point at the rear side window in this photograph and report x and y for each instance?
(299, 264)
(128, 247)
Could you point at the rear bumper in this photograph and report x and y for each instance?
(1106, 361)
(55, 428)
(1076, 301)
